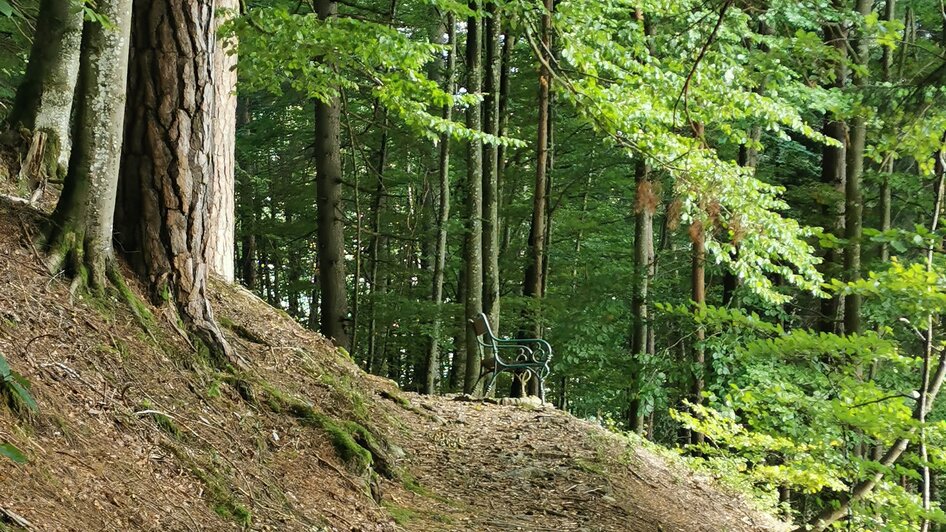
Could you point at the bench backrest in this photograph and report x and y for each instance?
(481, 325)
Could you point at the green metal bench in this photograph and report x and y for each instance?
(531, 355)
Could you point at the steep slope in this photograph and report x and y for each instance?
(137, 431)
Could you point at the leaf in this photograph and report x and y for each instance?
(23, 393)
(5, 8)
(8, 449)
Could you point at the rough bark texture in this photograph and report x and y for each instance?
(82, 228)
(221, 229)
(443, 217)
(168, 159)
(331, 237)
(43, 100)
(473, 243)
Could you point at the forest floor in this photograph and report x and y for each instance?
(137, 431)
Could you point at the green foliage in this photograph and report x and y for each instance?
(16, 389)
(13, 453)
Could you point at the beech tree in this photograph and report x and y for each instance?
(80, 237)
(43, 103)
(473, 202)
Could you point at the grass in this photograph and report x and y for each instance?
(353, 442)
(163, 421)
(401, 515)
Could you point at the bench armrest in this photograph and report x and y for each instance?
(540, 354)
(544, 346)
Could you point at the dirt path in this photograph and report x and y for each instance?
(485, 467)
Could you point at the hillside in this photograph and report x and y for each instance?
(136, 431)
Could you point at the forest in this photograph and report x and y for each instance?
(725, 216)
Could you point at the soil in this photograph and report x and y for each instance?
(137, 431)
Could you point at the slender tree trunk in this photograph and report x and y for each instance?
(834, 170)
(443, 217)
(698, 286)
(81, 236)
(473, 246)
(491, 167)
(853, 204)
(534, 283)
(168, 159)
(331, 237)
(890, 10)
(377, 207)
(221, 231)
(43, 102)
(930, 385)
(509, 40)
(643, 250)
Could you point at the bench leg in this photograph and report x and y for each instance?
(490, 381)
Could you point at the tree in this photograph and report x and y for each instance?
(443, 214)
(168, 160)
(80, 239)
(473, 214)
(491, 109)
(331, 237)
(44, 99)
(534, 283)
(221, 245)
(853, 202)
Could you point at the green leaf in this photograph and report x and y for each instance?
(23, 393)
(5, 8)
(8, 449)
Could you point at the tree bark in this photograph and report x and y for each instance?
(834, 170)
(377, 208)
(930, 385)
(853, 203)
(644, 209)
(331, 237)
(491, 167)
(221, 231)
(81, 236)
(473, 246)
(168, 160)
(44, 99)
(698, 286)
(533, 283)
(443, 216)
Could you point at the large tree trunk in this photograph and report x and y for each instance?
(221, 230)
(81, 234)
(43, 103)
(473, 245)
(443, 217)
(168, 159)
(331, 237)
